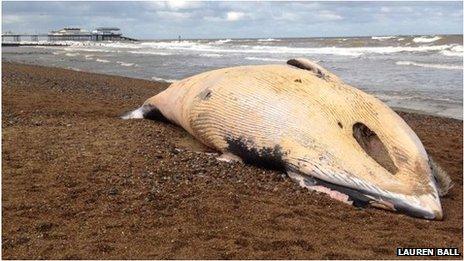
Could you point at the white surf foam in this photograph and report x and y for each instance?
(431, 65)
(108, 44)
(222, 41)
(216, 48)
(125, 64)
(265, 59)
(150, 52)
(211, 55)
(158, 79)
(102, 60)
(424, 39)
(348, 51)
(410, 97)
(381, 38)
(193, 46)
(454, 51)
(74, 69)
(71, 54)
(87, 49)
(269, 40)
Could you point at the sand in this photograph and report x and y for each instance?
(80, 183)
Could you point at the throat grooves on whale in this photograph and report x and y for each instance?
(269, 108)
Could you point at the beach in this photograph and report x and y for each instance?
(80, 183)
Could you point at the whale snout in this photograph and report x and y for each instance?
(425, 206)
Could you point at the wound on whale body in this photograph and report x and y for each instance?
(373, 146)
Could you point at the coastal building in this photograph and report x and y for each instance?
(69, 34)
(106, 33)
(69, 31)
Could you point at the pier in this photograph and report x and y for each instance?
(65, 34)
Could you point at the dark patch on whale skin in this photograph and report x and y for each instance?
(266, 157)
(205, 94)
(152, 113)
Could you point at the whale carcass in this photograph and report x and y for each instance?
(302, 119)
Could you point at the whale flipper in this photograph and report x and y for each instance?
(146, 111)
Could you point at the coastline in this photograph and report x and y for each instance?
(79, 183)
(161, 80)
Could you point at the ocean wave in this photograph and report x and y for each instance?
(269, 40)
(87, 49)
(454, 51)
(349, 51)
(150, 52)
(125, 64)
(71, 54)
(222, 41)
(102, 61)
(158, 79)
(424, 39)
(416, 97)
(113, 45)
(165, 44)
(88, 57)
(211, 55)
(431, 65)
(343, 51)
(265, 59)
(74, 69)
(381, 38)
(165, 48)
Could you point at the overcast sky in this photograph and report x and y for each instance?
(161, 20)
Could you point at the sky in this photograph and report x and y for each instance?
(198, 20)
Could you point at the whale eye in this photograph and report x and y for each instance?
(373, 146)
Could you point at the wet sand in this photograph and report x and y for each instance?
(79, 183)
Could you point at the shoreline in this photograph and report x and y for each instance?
(396, 109)
(80, 183)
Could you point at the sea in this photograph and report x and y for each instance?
(422, 73)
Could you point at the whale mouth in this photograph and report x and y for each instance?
(415, 207)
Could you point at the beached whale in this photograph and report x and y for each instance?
(302, 119)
